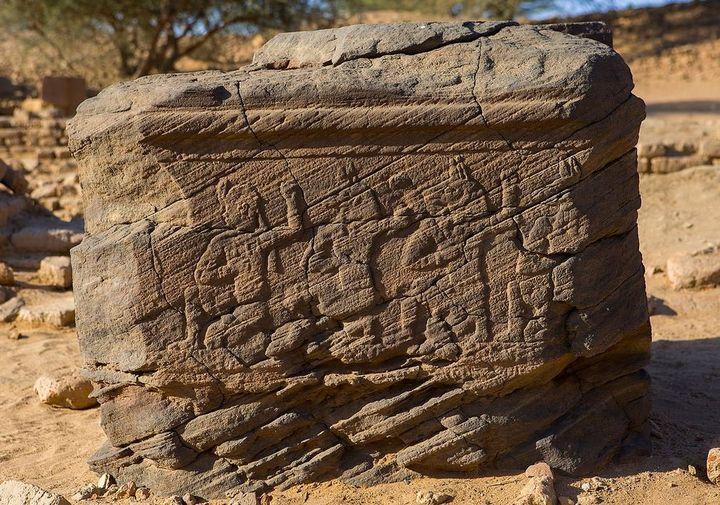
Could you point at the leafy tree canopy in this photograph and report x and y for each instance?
(148, 36)
(152, 35)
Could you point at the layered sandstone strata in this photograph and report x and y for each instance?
(377, 251)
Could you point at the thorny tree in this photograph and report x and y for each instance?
(152, 35)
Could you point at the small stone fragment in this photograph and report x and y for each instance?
(126, 490)
(432, 498)
(14, 334)
(10, 309)
(588, 499)
(539, 469)
(142, 493)
(713, 465)
(245, 499)
(105, 481)
(55, 271)
(586, 486)
(565, 500)
(13, 492)
(72, 392)
(111, 490)
(85, 493)
(694, 270)
(190, 499)
(7, 276)
(537, 491)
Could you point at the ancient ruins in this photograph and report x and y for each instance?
(378, 251)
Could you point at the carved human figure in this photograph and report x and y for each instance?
(233, 270)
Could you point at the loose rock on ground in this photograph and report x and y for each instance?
(72, 391)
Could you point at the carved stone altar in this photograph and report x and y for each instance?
(377, 251)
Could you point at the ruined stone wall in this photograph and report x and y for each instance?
(378, 251)
(22, 135)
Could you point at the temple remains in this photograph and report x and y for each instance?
(378, 251)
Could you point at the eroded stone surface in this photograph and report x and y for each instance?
(420, 258)
(13, 492)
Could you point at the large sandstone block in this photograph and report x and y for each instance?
(65, 93)
(377, 251)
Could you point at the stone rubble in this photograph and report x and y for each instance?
(432, 498)
(668, 146)
(86, 492)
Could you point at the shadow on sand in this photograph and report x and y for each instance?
(686, 406)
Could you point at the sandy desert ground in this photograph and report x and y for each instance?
(680, 213)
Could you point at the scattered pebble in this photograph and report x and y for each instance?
(540, 469)
(14, 334)
(588, 499)
(713, 465)
(126, 490)
(692, 470)
(105, 481)
(176, 500)
(85, 493)
(432, 498)
(189, 499)
(111, 490)
(142, 493)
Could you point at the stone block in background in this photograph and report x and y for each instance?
(55, 271)
(7, 88)
(377, 252)
(64, 93)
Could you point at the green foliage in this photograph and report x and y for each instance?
(139, 37)
(152, 35)
(467, 9)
